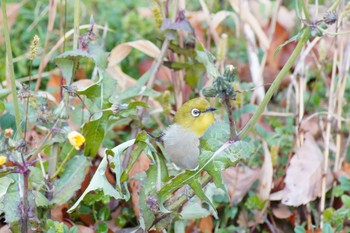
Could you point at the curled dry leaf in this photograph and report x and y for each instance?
(266, 175)
(120, 52)
(238, 181)
(304, 175)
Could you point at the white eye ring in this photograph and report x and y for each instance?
(195, 112)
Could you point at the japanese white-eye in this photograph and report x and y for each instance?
(181, 139)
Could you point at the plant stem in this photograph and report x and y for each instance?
(233, 135)
(68, 156)
(306, 10)
(76, 23)
(25, 209)
(251, 123)
(12, 72)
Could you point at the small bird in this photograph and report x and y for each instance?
(181, 139)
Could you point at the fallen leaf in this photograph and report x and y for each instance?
(85, 229)
(311, 126)
(282, 212)
(304, 175)
(238, 181)
(5, 229)
(266, 175)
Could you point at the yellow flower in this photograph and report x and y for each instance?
(76, 139)
(2, 160)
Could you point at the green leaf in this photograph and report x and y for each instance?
(71, 179)
(148, 198)
(327, 228)
(344, 183)
(104, 214)
(2, 107)
(11, 201)
(148, 203)
(193, 74)
(346, 201)
(93, 91)
(98, 54)
(207, 60)
(94, 132)
(5, 182)
(299, 229)
(99, 180)
(68, 63)
(102, 228)
(197, 188)
(194, 210)
(40, 199)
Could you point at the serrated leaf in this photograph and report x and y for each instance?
(198, 190)
(71, 179)
(148, 191)
(99, 180)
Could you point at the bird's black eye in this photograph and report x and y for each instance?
(195, 112)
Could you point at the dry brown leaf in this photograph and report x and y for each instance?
(310, 126)
(238, 181)
(121, 51)
(282, 212)
(57, 213)
(304, 174)
(280, 36)
(84, 229)
(266, 175)
(54, 86)
(206, 224)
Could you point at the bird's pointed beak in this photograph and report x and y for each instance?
(211, 109)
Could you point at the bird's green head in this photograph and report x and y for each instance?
(195, 115)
